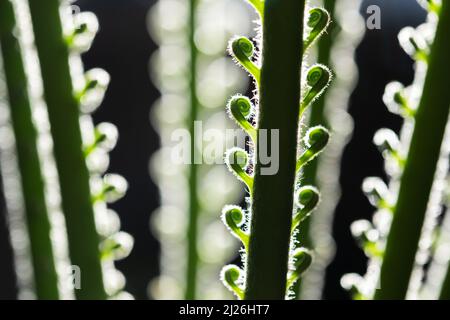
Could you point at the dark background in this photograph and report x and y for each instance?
(123, 48)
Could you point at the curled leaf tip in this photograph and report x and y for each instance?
(360, 227)
(233, 218)
(386, 140)
(237, 161)
(316, 140)
(318, 22)
(377, 192)
(85, 27)
(317, 137)
(414, 44)
(318, 76)
(318, 79)
(396, 100)
(116, 247)
(367, 237)
(93, 92)
(307, 199)
(302, 259)
(231, 275)
(240, 109)
(105, 137)
(352, 282)
(242, 49)
(114, 187)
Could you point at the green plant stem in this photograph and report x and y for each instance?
(272, 204)
(316, 117)
(37, 218)
(63, 111)
(192, 252)
(417, 179)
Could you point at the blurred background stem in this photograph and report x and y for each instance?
(317, 117)
(417, 179)
(25, 133)
(317, 114)
(192, 253)
(63, 111)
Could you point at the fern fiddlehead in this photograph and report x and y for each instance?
(336, 49)
(272, 264)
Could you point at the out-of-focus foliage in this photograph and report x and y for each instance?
(401, 155)
(74, 198)
(195, 80)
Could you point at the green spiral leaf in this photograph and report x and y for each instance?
(116, 247)
(396, 100)
(240, 109)
(237, 161)
(302, 259)
(85, 27)
(105, 137)
(93, 91)
(386, 140)
(233, 218)
(414, 44)
(316, 140)
(377, 192)
(113, 187)
(388, 143)
(318, 22)
(230, 276)
(307, 199)
(318, 79)
(242, 49)
(353, 283)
